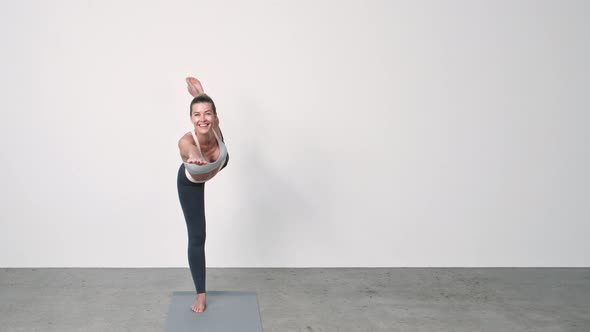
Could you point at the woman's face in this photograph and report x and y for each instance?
(202, 117)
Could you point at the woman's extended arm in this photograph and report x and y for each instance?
(188, 151)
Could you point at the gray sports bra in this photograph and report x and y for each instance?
(203, 169)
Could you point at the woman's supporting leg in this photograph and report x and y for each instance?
(192, 201)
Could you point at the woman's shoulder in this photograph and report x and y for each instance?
(218, 133)
(188, 138)
(188, 134)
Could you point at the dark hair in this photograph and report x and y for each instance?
(203, 98)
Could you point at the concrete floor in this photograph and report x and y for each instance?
(380, 299)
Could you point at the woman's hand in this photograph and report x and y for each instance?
(194, 86)
(194, 158)
(197, 161)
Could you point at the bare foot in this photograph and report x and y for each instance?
(200, 303)
(194, 86)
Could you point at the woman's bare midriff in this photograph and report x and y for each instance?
(203, 177)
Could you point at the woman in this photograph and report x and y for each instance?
(204, 154)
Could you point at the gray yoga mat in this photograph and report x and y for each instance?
(226, 311)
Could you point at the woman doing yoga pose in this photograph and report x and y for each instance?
(204, 154)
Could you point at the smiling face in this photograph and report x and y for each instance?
(202, 117)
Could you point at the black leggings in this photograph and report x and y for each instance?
(192, 201)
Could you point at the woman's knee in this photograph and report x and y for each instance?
(197, 240)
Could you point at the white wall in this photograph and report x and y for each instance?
(361, 134)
